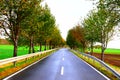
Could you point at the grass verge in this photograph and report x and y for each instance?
(8, 69)
(116, 68)
(96, 65)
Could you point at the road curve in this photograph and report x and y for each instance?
(61, 65)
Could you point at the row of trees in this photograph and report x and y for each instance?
(27, 22)
(100, 23)
(75, 38)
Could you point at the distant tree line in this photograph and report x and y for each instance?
(75, 38)
(28, 23)
(97, 27)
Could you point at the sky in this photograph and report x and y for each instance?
(69, 13)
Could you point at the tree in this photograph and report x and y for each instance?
(30, 27)
(56, 38)
(75, 37)
(13, 13)
(70, 39)
(100, 25)
(91, 29)
(107, 20)
(47, 21)
(78, 33)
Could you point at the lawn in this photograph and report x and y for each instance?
(108, 51)
(6, 51)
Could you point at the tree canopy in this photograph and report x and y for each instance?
(98, 26)
(101, 22)
(75, 37)
(26, 22)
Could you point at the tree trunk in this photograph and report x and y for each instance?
(83, 49)
(83, 45)
(29, 49)
(40, 46)
(30, 46)
(33, 50)
(15, 48)
(91, 48)
(102, 54)
(50, 45)
(45, 45)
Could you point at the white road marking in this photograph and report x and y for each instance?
(94, 68)
(63, 59)
(23, 69)
(62, 70)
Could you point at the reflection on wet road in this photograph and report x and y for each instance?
(61, 65)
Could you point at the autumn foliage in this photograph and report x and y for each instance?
(75, 37)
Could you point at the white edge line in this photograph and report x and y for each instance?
(63, 59)
(62, 70)
(94, 68)
(24, 68)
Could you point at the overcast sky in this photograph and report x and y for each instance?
(69, 13)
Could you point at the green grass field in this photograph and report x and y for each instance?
(108, 51)
(6, 51)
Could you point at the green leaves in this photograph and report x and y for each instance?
(99, 26)
(75, 37)
(26, 20)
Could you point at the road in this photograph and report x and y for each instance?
(61, 65)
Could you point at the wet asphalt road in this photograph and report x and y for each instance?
(62, 65)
